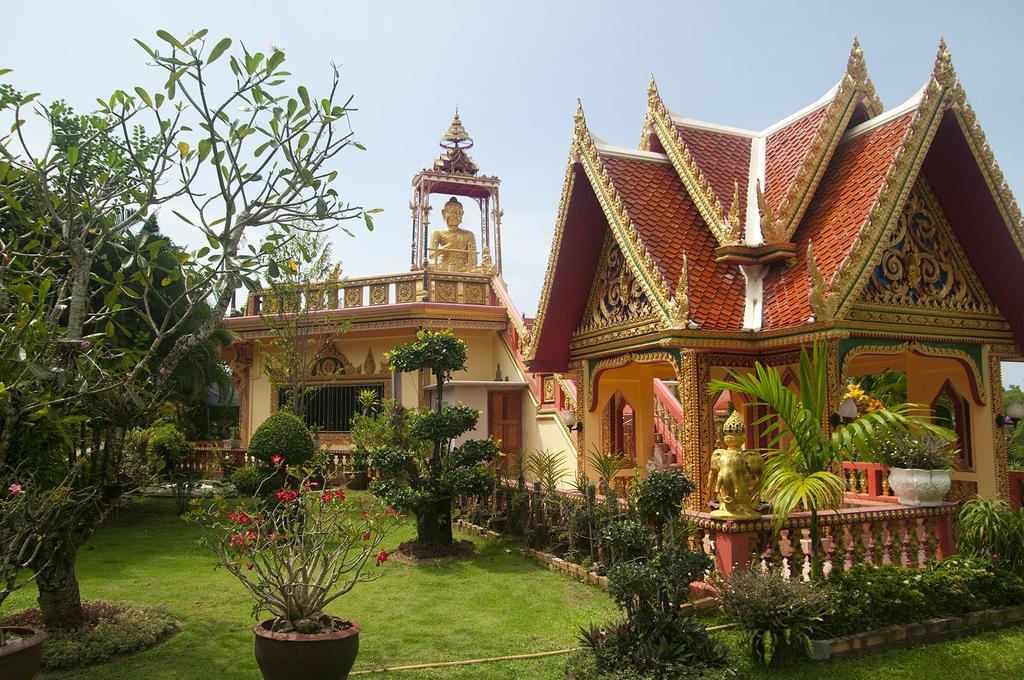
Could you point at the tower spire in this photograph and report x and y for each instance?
(454, 143)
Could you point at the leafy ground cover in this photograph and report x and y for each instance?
(498, 604)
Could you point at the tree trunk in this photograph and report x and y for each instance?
(434, 524)
(59, 598)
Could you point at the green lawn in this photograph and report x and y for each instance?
(498, 604)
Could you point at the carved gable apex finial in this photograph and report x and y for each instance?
(943, 71)
(857, 69)
(818, 291)
(579, 120)
(681, 300)
(771, 230)
(733, 218)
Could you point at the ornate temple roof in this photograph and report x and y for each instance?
(777, 228)
(454, 158)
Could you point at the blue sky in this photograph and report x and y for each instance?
(516, 69)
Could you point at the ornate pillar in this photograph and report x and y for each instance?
(996, 406)
(834, 381)
(698, 422)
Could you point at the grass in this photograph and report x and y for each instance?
(497, 604)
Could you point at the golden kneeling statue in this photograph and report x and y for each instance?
(453, 248)
(733, 472)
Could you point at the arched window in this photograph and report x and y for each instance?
(951, 410)
(621, 426)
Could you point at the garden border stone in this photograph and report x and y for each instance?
(923, 632)
(475, 530)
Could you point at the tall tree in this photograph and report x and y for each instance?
(290, 306)
(222, 140)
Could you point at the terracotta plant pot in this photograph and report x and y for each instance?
(301, 656)
(21, 659)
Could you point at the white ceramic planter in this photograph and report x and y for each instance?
(919, 488)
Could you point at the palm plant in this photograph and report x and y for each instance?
(546, 467)
(803, 454)
(607, 463)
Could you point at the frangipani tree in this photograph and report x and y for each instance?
(227, 144)
(804, 455)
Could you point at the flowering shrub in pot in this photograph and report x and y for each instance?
(297, 554)
(919, 466)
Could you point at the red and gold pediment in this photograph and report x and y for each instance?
(922, 265)
(617, 297)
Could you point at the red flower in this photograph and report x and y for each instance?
(286, 495)
(250, 566)
(229, 565)
(366, 536)
(391, 512)
(339, 494)
(326, 497)
(239, 517)
(276, 459)
(382, 557)
(363, 515)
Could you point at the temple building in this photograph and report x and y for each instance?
(889, 235)
(454, 283)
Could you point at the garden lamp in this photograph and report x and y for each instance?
(569, 420)
(1014, 414)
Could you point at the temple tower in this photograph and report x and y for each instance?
(451, 247)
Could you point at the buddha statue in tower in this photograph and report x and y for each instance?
(453, 248)
(733, 472)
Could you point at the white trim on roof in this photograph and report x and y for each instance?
(711, 127)
(612, 150)
(884, 117)
(792, 118)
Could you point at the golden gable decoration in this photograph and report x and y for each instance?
(617, 297)
(922, 264)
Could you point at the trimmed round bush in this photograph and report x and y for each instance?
(247, 480)
(168, 444)
(282, 434)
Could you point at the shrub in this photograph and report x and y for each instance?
(167, 444)
(247, 480)
(282, 434)
(659, 499)
(869, 597)
(112, 629)
(627, 539)
(918, 451)
(777, 615)
(655, 646)
(990, 527)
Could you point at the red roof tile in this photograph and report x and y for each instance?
(833, 220)
(723, 159)
(785, 150)
(670, 224)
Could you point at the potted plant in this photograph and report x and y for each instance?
(234, 438)
(303, 550)
(919, 466)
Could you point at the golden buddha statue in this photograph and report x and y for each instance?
(453, 248)
(733, 472)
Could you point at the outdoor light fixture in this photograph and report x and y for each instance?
(847, 411)
(569, 419)
(1014, 414)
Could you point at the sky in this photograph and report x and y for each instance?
(515, 71)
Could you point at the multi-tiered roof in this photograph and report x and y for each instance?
(739, 231)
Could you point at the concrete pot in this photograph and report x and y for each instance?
(919, 488)
(20, 659)
(302, 656)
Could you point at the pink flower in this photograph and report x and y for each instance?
(382, 557)
(229, 565)
(276, 459)
(390, 512)
(314, 484)
(15, 489)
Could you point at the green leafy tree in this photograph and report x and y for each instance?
(237, 147)
(413, 449)
(804, 456)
